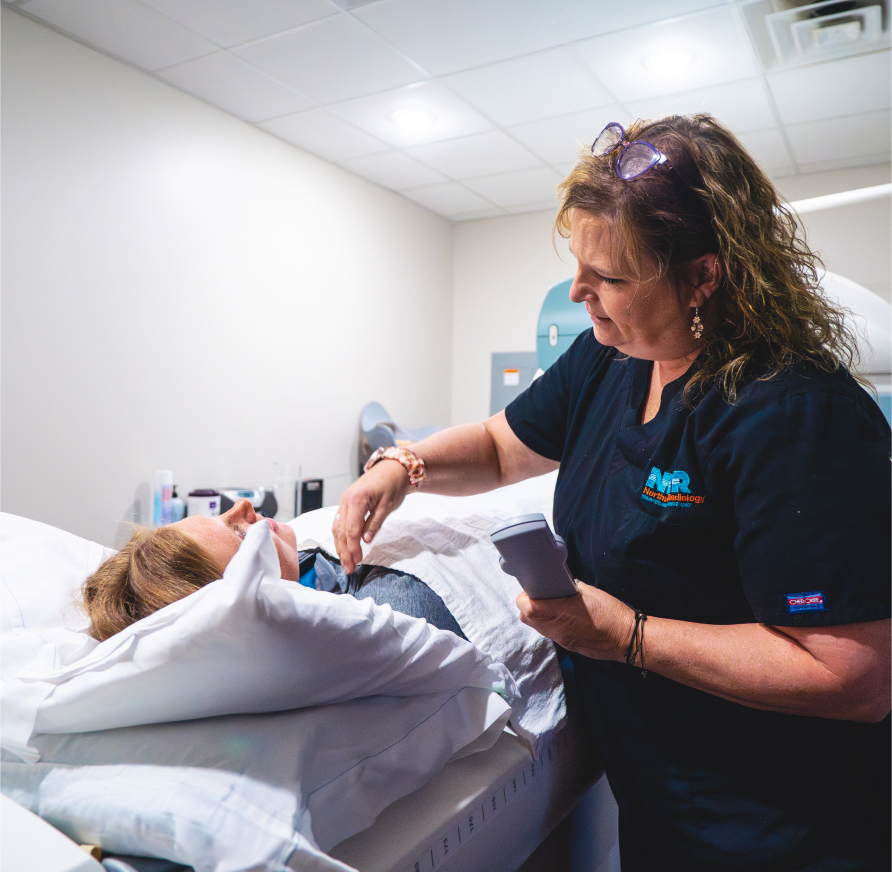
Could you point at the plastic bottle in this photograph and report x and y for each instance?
(177, 507)
(163, 498)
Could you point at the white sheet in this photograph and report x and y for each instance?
(250, 792)
(445, 542)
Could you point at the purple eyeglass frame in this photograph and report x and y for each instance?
(656, 157)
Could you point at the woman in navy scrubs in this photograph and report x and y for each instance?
(724, 493)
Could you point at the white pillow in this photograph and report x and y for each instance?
(247, 643)
(42, 569)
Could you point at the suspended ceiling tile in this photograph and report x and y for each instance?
(393, 170)
(445, 36)
(849, 162)
(230, 22)
(450, 116)
(536, 185)
(331, 60)
(833, 89)
(479, 214)
(319, 132)
(225, 81)
(564, 170)
(768, 149)
(558, 140)
(123, 28)
(740, 106)
(554, 82)
(817, 185)
(577, 20)
(449, 198)
(478, 155)
(713, 42)
(833, 142)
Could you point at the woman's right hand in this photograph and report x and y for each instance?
(364, 506)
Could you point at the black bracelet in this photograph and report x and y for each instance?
(635, 651)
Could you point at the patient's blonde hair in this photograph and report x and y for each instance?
(154, 569)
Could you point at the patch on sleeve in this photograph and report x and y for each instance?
(806, 602)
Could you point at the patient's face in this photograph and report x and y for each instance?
(222, 536)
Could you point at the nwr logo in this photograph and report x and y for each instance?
(668, 482)
(670, 489)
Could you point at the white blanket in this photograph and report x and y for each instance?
(379, 702)
(445, 542)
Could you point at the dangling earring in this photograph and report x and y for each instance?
(697, 326)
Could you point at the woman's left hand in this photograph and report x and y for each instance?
(592, 623)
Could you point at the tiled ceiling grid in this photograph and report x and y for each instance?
(509, 88)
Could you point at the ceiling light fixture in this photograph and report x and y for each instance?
(668, 61)
(415, 120)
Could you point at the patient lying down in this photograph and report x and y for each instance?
(158, 567)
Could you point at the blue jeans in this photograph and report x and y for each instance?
(402, 592)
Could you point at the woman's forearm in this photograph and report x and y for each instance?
(832, 672)
(475, 458)
(768, 668)
(460, 461)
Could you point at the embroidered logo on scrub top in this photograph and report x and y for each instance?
(670, 489)
(805, 602)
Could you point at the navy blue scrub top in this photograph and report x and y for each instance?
(775, 509)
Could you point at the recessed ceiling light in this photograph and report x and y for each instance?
(668, 61)
(412, 119)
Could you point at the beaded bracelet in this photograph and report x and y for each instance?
(414, 465)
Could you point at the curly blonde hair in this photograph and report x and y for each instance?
(712, 198)
(154, 569)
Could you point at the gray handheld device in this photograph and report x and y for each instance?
(535, 556)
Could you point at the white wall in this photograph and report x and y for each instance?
(854, 241)
(183, 291)
(503, 266)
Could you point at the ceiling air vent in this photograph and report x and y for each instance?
(822, 29)
(790, 33)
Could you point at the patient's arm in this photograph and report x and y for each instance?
(460, 461)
